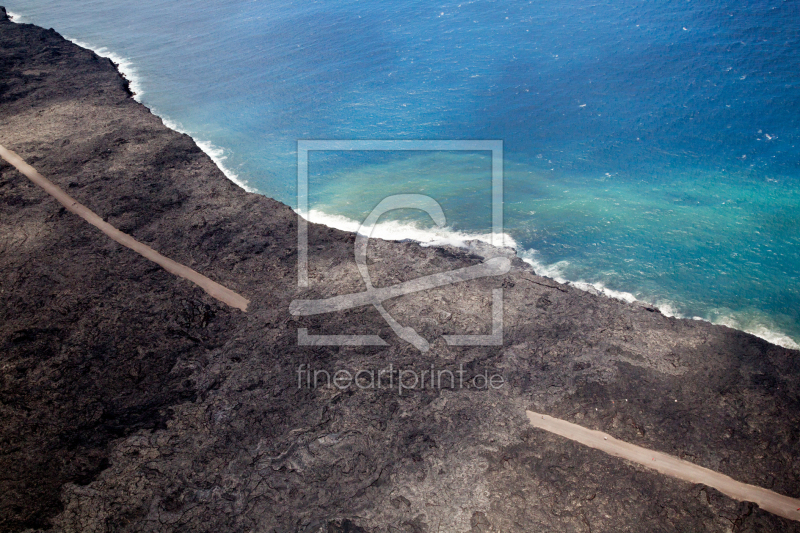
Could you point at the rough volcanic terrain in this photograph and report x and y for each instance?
(132, 401)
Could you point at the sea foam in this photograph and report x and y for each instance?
(398, 231)
(758, 329)
(126, 68)
(667, 308)
(128, 71)
(213, 151)
(218, 156)
(392, 230)
(124, 65)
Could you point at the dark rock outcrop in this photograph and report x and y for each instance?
(132, 401)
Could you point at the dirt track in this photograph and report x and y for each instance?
(214, 289)
(669, 465)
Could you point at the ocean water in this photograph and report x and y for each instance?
(652, 149)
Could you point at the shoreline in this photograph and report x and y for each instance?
(128, 71)
(217, 154)
(428, 237)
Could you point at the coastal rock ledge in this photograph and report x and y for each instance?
(130, 400)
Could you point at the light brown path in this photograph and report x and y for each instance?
(670, 465)
(214, 289)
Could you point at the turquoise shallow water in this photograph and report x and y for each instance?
(652, 150)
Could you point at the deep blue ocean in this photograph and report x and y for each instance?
(652, 148)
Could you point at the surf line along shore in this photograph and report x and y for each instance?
(672, 466)
(214, 289)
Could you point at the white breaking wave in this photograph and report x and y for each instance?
(668, 309)
(218, 156)
(602, 289)
(759, 330)
(124, 66)
(753, 327)
(556, 271)
(129, 72)
(213, 151)
(392, 230)
(14, 17)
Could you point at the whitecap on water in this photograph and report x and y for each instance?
(392, 230)
(668, 308)
(124, 66)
